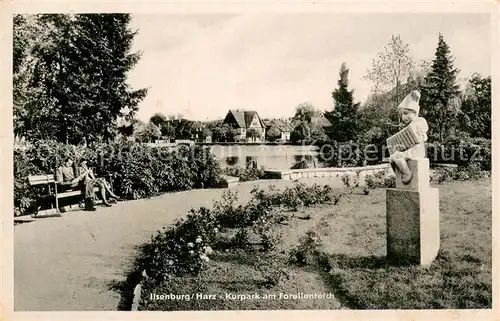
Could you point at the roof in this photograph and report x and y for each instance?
(321, 120)
(267, 122)
(249, 115)
(243, 117)
(239, 116)
(282, 125)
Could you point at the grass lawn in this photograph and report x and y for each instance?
(351, 262)
(460, 278)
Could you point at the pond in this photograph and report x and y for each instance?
(267, 156)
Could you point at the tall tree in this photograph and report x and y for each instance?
(305, 112)
(379, 118)
(223, 133)
(70, 75)
(273, 134)
(301, 132)
(205, 133)
(476, 107)
(168, 129)
(344, 118)
(158, 119)
(147, 132)
(253, 134)
(317, 132)
(36, 43)
(391, 69)
(439, 93)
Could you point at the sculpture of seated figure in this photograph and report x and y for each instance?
(409, 142)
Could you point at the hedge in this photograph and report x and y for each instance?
(138, 170)
(463, 152)
(460, 151)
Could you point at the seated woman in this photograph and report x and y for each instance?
(88, 176)
(66, 179)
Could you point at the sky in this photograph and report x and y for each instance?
(200, 66)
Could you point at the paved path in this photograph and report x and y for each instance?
(68, 263)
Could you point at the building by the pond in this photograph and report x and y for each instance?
(278, 128)
(248, 123)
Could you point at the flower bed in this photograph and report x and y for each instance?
(185, 249)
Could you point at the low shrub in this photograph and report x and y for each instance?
(184, 248)
(245, 174)
(252, 174)
(443, 174)
(267, 198)
(226, 209)
(294, 197)
(376, 180)
(462, 173)
(265, 227)
(350, 180)
(390, 181)
(462, 151)
(346, 180)
(290, 199)
(241, 239)
(380, 180)
(473, 171)
(247, 214)
(307, 250)
(301, 164)
(273, 269)
(312, 195)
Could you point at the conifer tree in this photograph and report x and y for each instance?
(344, 117)
(439, 92)
(70, 75)
(476, 107)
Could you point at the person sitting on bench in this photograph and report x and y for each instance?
(66, 179)
(100, 182)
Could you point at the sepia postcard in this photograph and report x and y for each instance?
(274, 160)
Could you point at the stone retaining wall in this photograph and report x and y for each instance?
(354, 172)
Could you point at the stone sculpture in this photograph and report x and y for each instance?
(409, 142)
(413, 206)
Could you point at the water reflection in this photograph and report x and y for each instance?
(267, 156)
(232, 160)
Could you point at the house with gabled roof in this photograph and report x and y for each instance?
(248, 123)
(279, 125)
(322, 121)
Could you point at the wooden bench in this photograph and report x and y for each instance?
(53, 194)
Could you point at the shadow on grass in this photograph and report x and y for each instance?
(125, 288)
(326, 264)
(374, 282)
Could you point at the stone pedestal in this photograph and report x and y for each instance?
(413, 218)
(420, 179)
